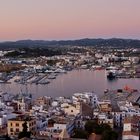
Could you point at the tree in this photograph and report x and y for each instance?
(25, 127)
(80, 134)
(93, 127)
(109, 135)
(89, 126)
(100, 129)
(105, 127)
(25, 132)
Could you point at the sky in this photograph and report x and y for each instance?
(69, 19)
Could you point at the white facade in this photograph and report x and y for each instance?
(130, 137)
(127, 127)
(5, 117)
(60, 126)
(1, 121)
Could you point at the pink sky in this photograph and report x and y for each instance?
(69, 19)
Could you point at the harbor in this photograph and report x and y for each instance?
(71, 82)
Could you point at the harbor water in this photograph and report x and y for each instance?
(72, 82)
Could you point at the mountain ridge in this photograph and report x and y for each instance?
(99, 42)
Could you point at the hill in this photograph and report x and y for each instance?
(114, 42)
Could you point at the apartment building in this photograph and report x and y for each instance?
(131, 128)
(14, 125)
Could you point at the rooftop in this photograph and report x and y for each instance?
(22, 118)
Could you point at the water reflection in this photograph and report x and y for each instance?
(74, 81)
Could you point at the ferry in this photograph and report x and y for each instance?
(112, 74)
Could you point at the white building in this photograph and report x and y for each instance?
(131, 128)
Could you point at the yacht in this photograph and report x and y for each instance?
(51, 77)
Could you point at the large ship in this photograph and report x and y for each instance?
(111, 74)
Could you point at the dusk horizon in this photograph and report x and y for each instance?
(72, 39)
(69, 20)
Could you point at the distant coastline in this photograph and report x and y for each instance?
(113, 42)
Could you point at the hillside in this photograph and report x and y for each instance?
(114, 42)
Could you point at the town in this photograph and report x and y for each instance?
(19, 66)
(113, 116)
(83, 116)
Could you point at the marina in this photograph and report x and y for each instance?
(67, 84)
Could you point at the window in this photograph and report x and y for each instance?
(17, 124)
(17, 130)
(71, 110)
(11, 124)
(11, 129)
